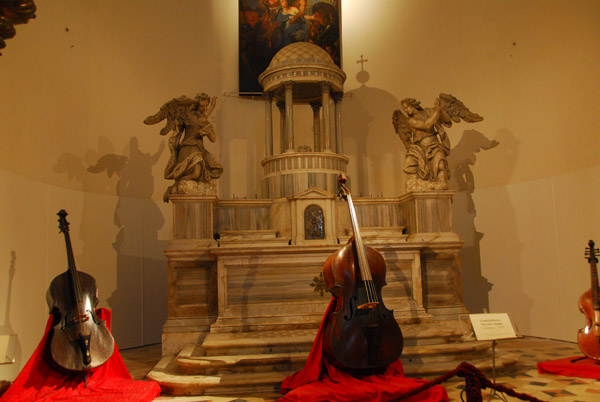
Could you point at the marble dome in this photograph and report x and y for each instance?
(307, 66)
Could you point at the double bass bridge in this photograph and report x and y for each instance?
(369, 305)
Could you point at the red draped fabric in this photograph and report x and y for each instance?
(40, 382)
(320, 381)
(571, 367)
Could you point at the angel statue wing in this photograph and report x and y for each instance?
(175, 111)
(454, 110)
(400, 122)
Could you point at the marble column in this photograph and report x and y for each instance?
(325, 90)
(282, 135)
(316, 106)
(337, 102)
(289, 115)
(268, 96)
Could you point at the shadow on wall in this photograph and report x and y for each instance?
(367, 130)
(240, 144)
(476, 288)
(11, 348)
(139, 303)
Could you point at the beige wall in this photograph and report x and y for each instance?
(77, 82)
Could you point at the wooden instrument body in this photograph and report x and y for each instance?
(79, 340)
(588, 338)
(358, 338)
(70, 328)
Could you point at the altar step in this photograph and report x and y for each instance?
(255, 363)
(309, 319)
(191, 360)
(241, 384)
(267, 384)
(301, 340)
(236, 324)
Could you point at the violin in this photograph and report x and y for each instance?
(80, 341)
(588, 338)
(360, 333)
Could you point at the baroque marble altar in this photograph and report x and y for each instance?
(245, 298)
(257, 275)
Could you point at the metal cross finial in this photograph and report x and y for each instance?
(362, 62)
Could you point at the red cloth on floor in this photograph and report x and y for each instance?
(571, 367)
(40, 382)
(319, 381)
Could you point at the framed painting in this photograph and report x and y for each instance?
(266, 26)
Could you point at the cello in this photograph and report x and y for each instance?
(588, 338)
(361, 335)
(80, 341)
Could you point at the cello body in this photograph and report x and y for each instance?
(361, 335)
(80, 341)
(358, 339)
(588, 338)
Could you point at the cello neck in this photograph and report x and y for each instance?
(64, 228)
(590, 254)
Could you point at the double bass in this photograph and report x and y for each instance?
(588, 338)
(361, 335)
(80, 341)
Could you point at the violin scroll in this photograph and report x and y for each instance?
(590, 252)
(342, 189)
(63, 225)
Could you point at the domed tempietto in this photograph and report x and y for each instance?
(303, 74)
(306, 65)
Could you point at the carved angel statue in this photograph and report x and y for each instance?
(193, 168)
(424, 136)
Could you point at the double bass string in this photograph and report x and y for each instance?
(362, 259)
(74, 276)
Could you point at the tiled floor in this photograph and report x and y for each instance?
(523, 378)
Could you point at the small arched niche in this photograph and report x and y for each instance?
(314, 223)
